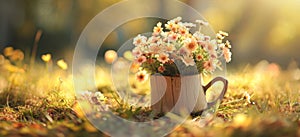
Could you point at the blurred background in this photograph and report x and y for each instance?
(259, 30)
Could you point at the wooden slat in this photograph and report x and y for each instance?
(185, 92)
(176, 88)
(168, 96)
(155, 94)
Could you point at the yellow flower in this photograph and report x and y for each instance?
(134, 67)
(227, 44)
(2, 59)
(128, 55)
(172, 26)
(110, 56)
(158, 29)
(17, 55)
(223, 33)
(241, 120)
(219, 36)
(46, 57)
(8, 51)
(62, 64)
(12, 68)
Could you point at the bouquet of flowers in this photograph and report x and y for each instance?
(173, 50)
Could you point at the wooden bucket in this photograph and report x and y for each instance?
(181, 94)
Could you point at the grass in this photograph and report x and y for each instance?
(262, 100)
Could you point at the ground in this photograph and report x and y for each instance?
(262, 100)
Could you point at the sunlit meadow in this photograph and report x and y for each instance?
(39, 99)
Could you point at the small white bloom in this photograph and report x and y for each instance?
(247, 97)
(227, 44)
(188, 24)
(177, 19)
(199, 36)
(136, 52)
(170, 48)
(219, 36)
(159, 24)
(183, 51)
(222, 45)
(155, 48)
(172, 37)
(86, 94)
(206, 38)
(202, 23)
(188, 61)
(158, 29)
(142, 76)
(171, 25)
(100, 96)
(223, 33)
(139, 40)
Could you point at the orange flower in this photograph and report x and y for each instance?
(150, 60)
(227, 54)
(161, 69)
(183, 31)
(134, 67)
(163, 58)
(8, 51)
(191, 45)
(199, 57)
(141, 59)
(2, 59)
(208, 65)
